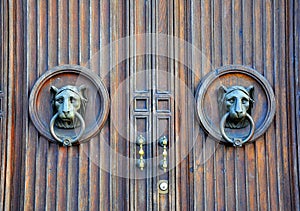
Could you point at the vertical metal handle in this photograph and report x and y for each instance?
(163, 142)
(141, 162)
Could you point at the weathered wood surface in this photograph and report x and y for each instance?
(294, 86)
(38, 35)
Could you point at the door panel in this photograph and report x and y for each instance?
(152, 85)
(252, 34)
(40, 175)
(243, 177)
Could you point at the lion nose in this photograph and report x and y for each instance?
(66, 112)
(66, 108)
(238, 108)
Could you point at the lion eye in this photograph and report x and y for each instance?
(60, 100)
(245, 101)
(72, 100)
(231, 100)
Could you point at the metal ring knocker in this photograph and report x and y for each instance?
(68, 141)
(237, 141)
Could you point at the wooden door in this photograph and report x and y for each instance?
(151, 56)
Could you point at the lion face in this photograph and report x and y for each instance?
(236, 101)
(66, 102)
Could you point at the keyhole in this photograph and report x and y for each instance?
(163, 186)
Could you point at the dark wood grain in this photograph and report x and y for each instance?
(255, 175)
(73, 153)
(4, 94)
(294, 26)
(141, 190)
(41, 145)
(62, 154)
(38, 35)
(180, 147)
(52, 153)
(119, 188)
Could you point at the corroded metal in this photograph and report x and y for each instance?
(59, 107)
(66, 102)
(227, 112)
(237, 101)
(69, 104)
(235, 105)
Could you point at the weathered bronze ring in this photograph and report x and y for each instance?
(237, 141)
(67, 141)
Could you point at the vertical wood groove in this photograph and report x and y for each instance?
(38, 35)
(4, 72)
(84, 150)
(73, 58)
(30, 174)
(293, 23)
(262, 47)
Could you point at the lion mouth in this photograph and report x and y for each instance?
(240, 116)
(66, 119)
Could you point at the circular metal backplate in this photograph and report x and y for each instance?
(98, 104)
(263, 110)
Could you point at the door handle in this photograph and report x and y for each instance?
(141, 161)
(237, 141)
(66, 140)
(163, 142)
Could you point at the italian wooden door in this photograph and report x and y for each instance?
(150, 59)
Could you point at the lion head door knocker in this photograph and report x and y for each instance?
(69, 105)
(235, 105)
